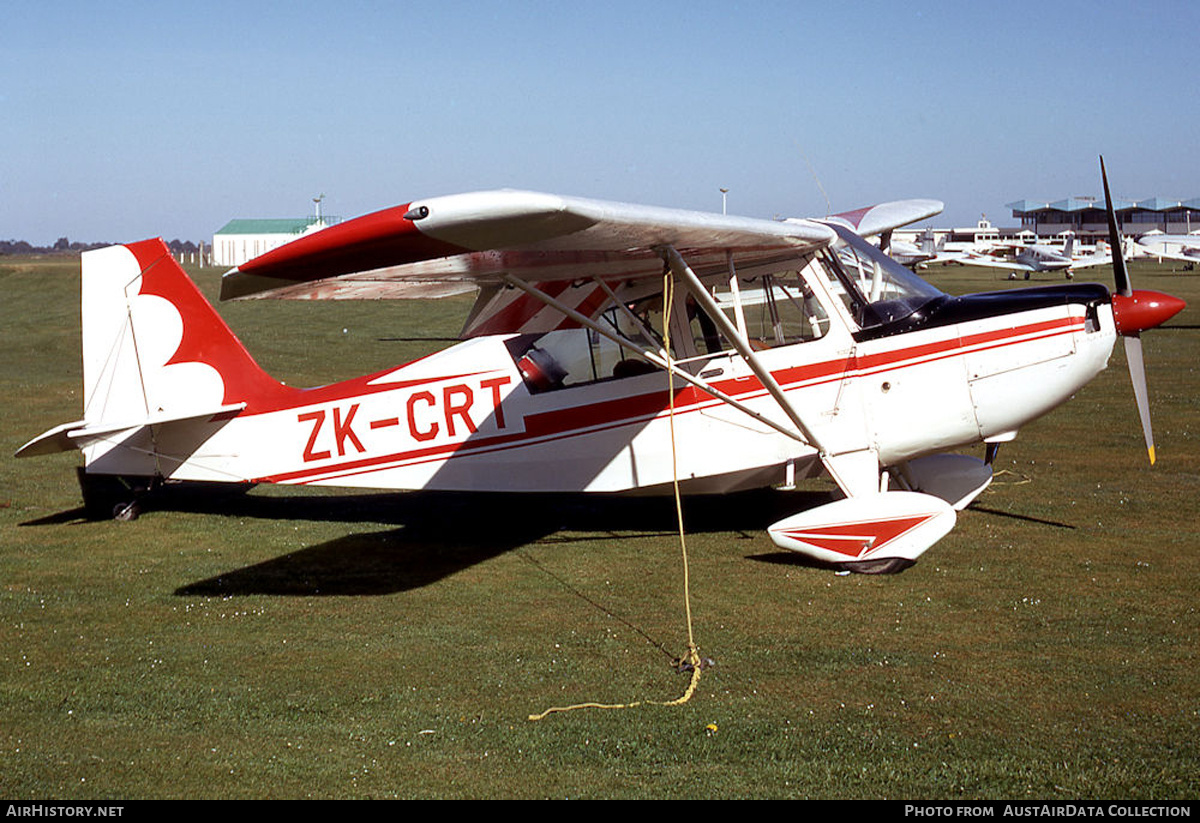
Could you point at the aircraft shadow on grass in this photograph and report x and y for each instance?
(439, 534)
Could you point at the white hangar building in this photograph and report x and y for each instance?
(242, 239)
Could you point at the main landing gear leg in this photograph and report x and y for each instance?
(990, 452)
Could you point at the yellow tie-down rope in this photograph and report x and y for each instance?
(692, 658)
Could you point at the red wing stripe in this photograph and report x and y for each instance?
(519, 311)
(587, 307)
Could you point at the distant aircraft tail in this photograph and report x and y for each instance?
(156, 356)
(1069, 246)
(929, 244)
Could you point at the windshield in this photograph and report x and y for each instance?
(883, 290)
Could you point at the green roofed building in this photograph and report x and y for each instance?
(242, 239)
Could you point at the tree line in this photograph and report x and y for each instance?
(64, 246)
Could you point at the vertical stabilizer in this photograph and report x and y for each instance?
(153, 347)
(161, 370)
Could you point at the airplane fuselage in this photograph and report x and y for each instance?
(467, 418)
(1043, 258)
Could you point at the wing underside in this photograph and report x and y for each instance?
(460, 243)
(470, 240)
(1185, 247)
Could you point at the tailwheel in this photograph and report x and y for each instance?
(112, 496)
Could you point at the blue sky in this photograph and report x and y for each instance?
(125, 120)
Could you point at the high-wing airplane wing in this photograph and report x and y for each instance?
(460, 242)
(1185, 247)
(884, 217)
(991, 261)
(476, 238)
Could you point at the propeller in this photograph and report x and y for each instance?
(1133, 313)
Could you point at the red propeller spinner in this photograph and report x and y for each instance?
(1144, 309)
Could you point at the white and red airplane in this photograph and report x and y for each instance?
(612, 348)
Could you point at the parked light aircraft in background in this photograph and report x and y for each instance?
(612, 348)
(916, 255)
(1185, 247)
(1036, 257)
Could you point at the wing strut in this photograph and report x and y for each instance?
(739, 341)
(649, 355)
(736, 291)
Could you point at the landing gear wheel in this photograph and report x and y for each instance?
(126, 512)
(107, 495)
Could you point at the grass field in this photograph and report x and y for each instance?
(289, 644)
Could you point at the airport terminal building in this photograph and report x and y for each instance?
(1086, 217)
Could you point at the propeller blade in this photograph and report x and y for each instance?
(1114, 239)
(1137, 374)
(1134, 312)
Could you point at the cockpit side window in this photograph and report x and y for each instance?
(778, 306)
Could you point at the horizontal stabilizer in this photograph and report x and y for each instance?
(81, 434)
(56, 440)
